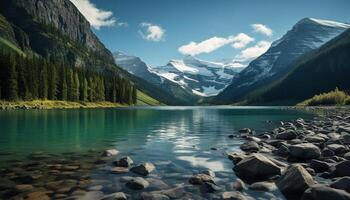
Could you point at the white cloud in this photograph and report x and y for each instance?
(97, 17)
(239, 41)
(253, 52)
(263, 29)
(152, 32)
(122, 24)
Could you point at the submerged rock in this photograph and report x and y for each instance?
(208, 187)
(256, 167)
(137, 183)
(263, 186)
(143, 169)
(124, 162)
(110, 152)
(199, 179)
(322, 192)
(115, 196)
(294, 181)
(235, 195)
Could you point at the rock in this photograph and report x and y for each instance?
(110, 152)
(254, 139)
(338, 148)
(319, 166)
(245, 130)
(24, 187)
(287, 135)
(208, 172)
(344, 129)
(157, 184)
(124, 162)
(239, 185)
(119, 170)
(235, 195)
(315, 139)
(208, 187)
(342, 184)
(143, 169)
(153, 196)
(256, 167)
(199, 179)
(174, 193)
(236, 157)
(137, 183)
(322, 192)
(346, 139)
(282, 150)
(328, 153)
(347, 156)
(250, 146)
(263, 186)
(295, 180)
(341, 169)
(304, 151)
(42, 195)
(6, 184)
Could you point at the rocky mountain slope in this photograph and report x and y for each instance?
(202, 78)
(320, 71)
(57, 31)
(167, 91)
(308, 34)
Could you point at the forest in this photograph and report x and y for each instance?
(30, 78)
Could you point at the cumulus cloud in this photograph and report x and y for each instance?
(209, 45)
(152, 32)
(253, 52)
(97, 17)
(241, 40)
(263, 29)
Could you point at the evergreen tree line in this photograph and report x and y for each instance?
(35, 78)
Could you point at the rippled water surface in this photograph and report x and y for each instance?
(178, 140)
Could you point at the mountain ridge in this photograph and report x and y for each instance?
(305, 36)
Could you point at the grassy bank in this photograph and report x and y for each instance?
(48, 104)
(142, 100)
(333, 98)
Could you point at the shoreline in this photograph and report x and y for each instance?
(53, 104)
(303, 159)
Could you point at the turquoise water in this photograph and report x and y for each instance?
(167, 136)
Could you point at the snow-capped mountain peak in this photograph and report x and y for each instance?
(203, 78)
(306, 35)
(323, 22)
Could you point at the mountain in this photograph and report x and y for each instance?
(308, 34)
(202, 78)
(165, 90)
(55, 33)
(321, 71)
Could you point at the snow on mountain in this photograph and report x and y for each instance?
(305, 36)
(203, 78)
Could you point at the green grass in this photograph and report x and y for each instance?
(144, 100)
(49, 104)
(9, 45)
(333, 98)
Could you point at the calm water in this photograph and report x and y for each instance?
(170, 137)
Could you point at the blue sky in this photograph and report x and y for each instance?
(160, 30)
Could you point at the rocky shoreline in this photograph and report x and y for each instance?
(301, 159)
(304, 159)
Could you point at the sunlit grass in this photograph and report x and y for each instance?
(336, 97)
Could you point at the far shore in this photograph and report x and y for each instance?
(50, 104)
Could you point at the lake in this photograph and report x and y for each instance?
(179, 141)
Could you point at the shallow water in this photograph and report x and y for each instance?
(178, 140)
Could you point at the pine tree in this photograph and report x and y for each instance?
(12, 81)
